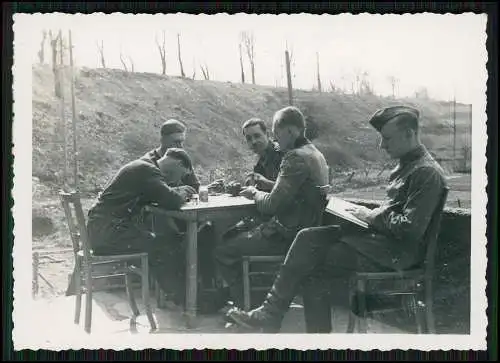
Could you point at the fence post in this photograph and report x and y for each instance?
(34, 282)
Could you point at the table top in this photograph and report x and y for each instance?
(215, 202)
(223, 201)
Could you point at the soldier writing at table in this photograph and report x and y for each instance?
(115, 225)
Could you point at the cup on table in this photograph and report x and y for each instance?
(203, 194)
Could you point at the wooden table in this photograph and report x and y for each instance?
(219, 207)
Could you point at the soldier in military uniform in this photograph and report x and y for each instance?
(173, 135)
(393, 241)
(267, 167)
(296, 201)
(114, 221)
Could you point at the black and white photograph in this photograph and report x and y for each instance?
(249, 181)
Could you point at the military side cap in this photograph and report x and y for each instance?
(384, 115)
(172, 127)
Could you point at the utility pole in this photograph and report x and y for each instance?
(317, 72)
(63, 118)
(73, 113)
(289, 77)
(454, 132)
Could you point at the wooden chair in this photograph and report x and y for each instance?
(85, 261)
(415, 285)
(247, 274)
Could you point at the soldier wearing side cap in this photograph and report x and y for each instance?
(172, 135)
(392, 242)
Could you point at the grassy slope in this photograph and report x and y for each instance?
(119, 116)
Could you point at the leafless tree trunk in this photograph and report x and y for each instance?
(183, 75)
(317, 71)
(204, 70)
(131, 64)
(101, 53)
(289, 78)
(365, 86)
(53, 45)
(41, 52)
(249, 41)
(161, 49)
(194, 70)
(333, 89)
(393, 81)
(122, 60)
(241, 64)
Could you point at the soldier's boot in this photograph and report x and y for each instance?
(270, 314)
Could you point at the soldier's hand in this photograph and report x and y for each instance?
(248, 192)
(361, 212)
(186, 192)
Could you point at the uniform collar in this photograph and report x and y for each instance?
(413, 155)
(301, 141)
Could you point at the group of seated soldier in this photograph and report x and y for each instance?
(289, 185)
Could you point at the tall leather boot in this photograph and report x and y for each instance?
(269, 315)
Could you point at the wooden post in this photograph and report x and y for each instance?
(63, 118)
(73, 109)
(317, 72)
(454, 133)
(289, 78)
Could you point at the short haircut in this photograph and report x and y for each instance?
(254, 121)
(406, 121)
(290, 116)
(181, 155)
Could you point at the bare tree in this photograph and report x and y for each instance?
(365, 87)
(183, 75)
(333, 89)
(249, 41)
(55, 52)
(101, 53)
(317, 72)
(357, 80)
(241, 64)
(161, 49)
(41, 52)
(194, 70)
(122, 60)
(205, 72)
(131, 64)
(393, 81)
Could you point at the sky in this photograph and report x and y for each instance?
(443, 53)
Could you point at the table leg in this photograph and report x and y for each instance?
(191, 273)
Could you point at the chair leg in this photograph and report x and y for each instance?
(353, 306)
(160, 299)
(77, 278)
(145, 292)
(88, 298)
(361, 294)
(419, 314)
(429, 311)
(130, 295)
(246, 284)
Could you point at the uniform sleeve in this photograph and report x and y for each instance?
(424, 191)
(156, 190)
(293, 172)
(191, 180)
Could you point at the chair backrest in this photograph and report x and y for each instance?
(432, 232)
(76, 222)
